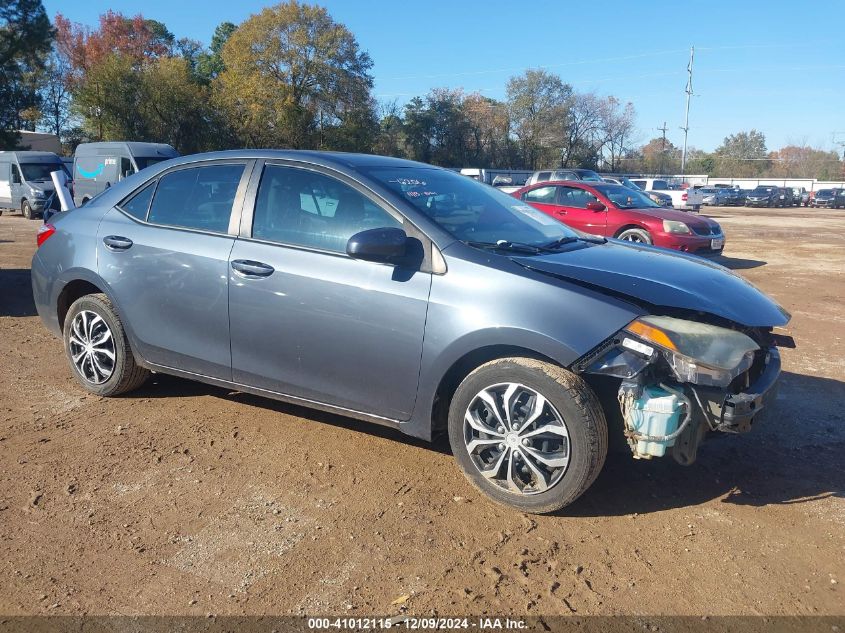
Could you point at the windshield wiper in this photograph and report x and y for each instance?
(505, 245)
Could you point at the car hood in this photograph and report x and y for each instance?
(664, 279)
(664, 213)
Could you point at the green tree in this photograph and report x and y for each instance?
(210, 63)
(292, 78)
(25, 40)
(742, 155)
(538, 105)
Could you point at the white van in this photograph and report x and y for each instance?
(25, 181)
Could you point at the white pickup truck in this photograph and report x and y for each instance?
(683, 199)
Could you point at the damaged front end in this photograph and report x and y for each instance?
(682, 378)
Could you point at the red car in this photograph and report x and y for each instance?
(617, 211)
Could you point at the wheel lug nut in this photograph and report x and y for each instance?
(515, 427)
(501, 429)
(526, 442)
(501, 446)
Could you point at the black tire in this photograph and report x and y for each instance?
(26, 209)
(126, 374)
(640, 236)
(576, 404)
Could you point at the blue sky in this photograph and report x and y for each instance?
(776, 66)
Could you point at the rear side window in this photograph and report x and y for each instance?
(543, 195)
(305, 208)
(138, 205)
(660, 184)
(543, 176)
(197, 197)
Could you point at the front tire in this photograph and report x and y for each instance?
(26, 209)
(638, 236)
(98, 350)
(528, 434)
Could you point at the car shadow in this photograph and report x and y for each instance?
(794, 455)
(738, 263)
(165, 386)
(16, 295)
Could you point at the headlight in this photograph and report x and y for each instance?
(696, 352)
(38, 194)
(672, 226)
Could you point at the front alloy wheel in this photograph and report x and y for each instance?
(516, 438)
(529, 434)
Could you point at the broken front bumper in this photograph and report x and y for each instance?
(735, 413)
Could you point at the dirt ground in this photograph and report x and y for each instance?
(188, 499)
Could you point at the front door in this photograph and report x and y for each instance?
(165, 255)
(311, 322)
(573, 207)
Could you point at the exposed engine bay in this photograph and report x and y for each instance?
(680, 379)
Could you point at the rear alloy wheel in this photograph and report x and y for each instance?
(98, 350)
(528, 434)
(26, 209)
(640, 236)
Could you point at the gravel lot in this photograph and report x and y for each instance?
(188, 499)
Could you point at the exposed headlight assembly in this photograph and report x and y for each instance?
(673, 226)
(38, 194)
(699, 353)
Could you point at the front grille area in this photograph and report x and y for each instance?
(705, 230)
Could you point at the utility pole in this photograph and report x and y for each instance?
(662, 149)
(686, 117)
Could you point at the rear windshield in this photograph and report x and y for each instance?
(40, 171)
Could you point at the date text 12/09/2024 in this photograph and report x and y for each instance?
(412, 623)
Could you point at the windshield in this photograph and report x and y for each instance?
(144, 162)
(589, 175)
(824, 192)
(40, 171)
(763, 190)
(468, 210)
(626, 198)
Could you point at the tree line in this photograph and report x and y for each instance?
(293, 77)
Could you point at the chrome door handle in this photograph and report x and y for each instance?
(117, 243)
(249, 268)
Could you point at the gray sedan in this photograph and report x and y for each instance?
(407, 295)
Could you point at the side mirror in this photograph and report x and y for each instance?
(594, 205)
(384, 245)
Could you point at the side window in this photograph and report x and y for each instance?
(542, 195)
(197, 197)
(125, 168)
(565, 175)
(576, 198)
(304, 208)
(640, 183)
(16, 174)
(543, 176)
(138, 205)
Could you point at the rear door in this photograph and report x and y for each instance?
(164, 253)
(5, 184)
(545, 199)
(309, 321)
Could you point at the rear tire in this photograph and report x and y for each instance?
(556, 454)
(98, 350)
(638, 236)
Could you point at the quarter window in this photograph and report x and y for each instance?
(197, 197)
(542, 195)
(305, 208)
(138, 204)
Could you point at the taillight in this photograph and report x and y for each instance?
(684, 196)
(44, 233)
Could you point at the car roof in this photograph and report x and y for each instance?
(341, 160)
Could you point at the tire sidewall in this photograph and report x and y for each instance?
(26, 209)
(641, 232)
(96, 305)
(575, 479)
